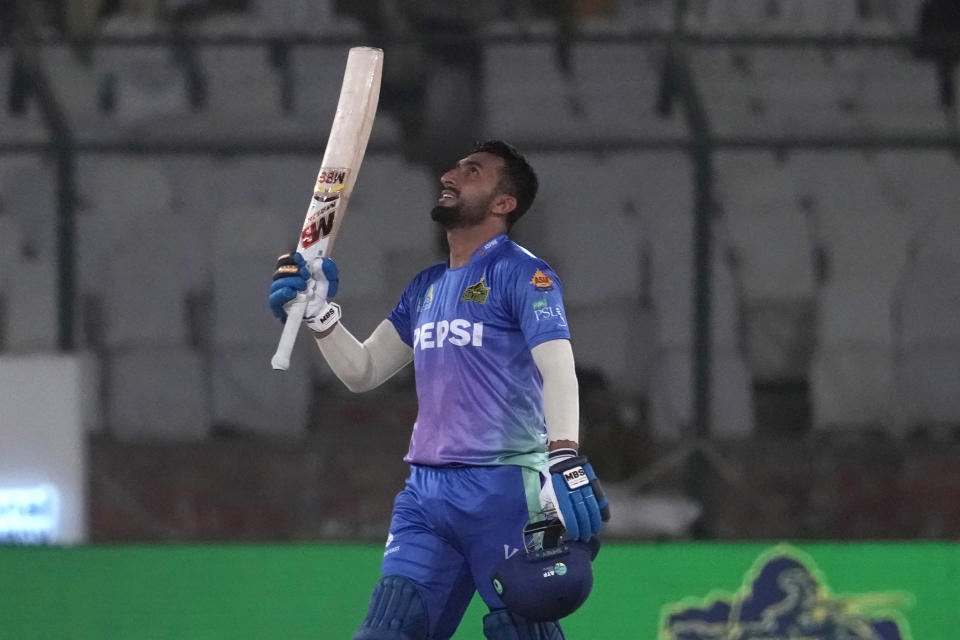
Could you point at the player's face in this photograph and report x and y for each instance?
(468, 190)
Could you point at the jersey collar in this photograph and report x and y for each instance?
(488, 246)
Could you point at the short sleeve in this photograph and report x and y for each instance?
(538, 303)
(400, 316)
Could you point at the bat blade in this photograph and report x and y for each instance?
(346, 146)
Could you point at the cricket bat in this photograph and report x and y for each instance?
(346, 145)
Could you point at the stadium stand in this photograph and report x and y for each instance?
(75, 85)
(9, 256)
(19, 115)
(650, 195)
(792, 17)
(29, 203)
(581, 198)
(927, 338)
(763, 224)
(792, 90)
(242, 87)
(767, 237)
(249, 398)
(890, 91)
(833, 269)
(156, 393)
(295, 17)
(140, 265)
(136, 253)
(615, 87)
(863, 236)
(529, 98)
(138, 85)
(246, 235)
(533, 93)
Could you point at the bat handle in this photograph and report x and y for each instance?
(295, 310)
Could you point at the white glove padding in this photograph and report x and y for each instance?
(320, 314)
(320, 317)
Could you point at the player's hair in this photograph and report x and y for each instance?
(518, 178)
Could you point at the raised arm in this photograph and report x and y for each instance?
(367, 365)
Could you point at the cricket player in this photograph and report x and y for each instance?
(495, 443)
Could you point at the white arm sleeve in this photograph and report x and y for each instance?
(361, 367)
(561, 402)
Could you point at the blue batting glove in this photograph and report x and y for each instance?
(571, 488)
(293, 275)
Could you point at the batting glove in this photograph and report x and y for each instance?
(315, 282)
(570, 488)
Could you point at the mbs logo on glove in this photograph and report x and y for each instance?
(576, 477)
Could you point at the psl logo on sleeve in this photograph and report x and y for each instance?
(550, 313)
(785, 597)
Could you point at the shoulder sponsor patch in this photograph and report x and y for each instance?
(541, 281)
(476, 293)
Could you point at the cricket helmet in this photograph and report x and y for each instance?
(551, 578)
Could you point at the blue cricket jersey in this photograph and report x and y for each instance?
(471, 329)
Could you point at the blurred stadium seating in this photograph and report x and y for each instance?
(29, 205)
(834, 269)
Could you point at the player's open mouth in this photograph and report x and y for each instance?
(447, 196)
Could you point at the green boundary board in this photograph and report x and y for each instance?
(321, 590)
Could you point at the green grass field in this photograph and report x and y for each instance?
(320, 590)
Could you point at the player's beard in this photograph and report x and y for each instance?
(461, 215)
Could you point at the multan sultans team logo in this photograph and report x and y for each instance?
(784, 597)
(476, 293)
